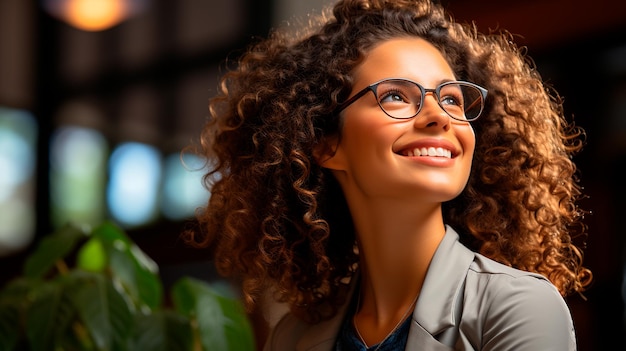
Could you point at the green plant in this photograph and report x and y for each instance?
(94, 289)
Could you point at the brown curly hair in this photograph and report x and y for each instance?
(276, 219)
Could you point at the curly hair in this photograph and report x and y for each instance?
(277, 219)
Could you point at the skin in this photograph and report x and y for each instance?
(396, 199)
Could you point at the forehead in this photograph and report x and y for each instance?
(413, 58)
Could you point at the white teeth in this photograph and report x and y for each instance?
(431, 151)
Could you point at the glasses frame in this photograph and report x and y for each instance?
(374, 86)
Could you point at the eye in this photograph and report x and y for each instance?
(398, 91)
(393, 95)
(451, 95)
(452, 100)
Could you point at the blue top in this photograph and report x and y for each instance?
(349, 341)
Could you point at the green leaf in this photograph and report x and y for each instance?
(91, 302)
(41, 316)
(136, 272)
(14, 302)
(163, 331)
(92, 256)
(52, 248)
(148, 279)
(222, 323)
(67, 323)
(105, 313)
(9, 325)
(15, 291)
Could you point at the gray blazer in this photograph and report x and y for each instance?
(467, 302)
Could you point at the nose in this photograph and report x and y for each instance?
(432, 115)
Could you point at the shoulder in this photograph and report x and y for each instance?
(286, 333)
(498, 281)
(292, 333)
(516, 309)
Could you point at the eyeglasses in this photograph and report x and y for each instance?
(403, 98)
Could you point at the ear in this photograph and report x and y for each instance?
(328, 154)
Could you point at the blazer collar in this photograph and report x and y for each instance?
(438, 308)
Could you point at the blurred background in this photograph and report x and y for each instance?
(99, 97)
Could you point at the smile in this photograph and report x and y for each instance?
(430, 151)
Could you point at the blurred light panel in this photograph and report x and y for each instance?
(183, 191)
(135, 175)
(77, 176)
(18, 138)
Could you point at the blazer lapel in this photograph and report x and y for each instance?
(438, 310)
(420, 339)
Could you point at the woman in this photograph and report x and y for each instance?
(400, 181)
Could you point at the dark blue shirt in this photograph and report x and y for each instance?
(348, 339)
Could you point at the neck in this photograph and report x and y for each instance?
(396, 245)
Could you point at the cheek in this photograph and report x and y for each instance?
(467, 138)
(367, 131)
(358, 142)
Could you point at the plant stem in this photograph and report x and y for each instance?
(62, 267)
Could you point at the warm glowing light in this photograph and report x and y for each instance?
(94, 15)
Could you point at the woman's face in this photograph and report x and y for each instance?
(375, 155)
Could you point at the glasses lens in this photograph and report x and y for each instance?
(473, 101)
(399, 98)
(461, 101)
